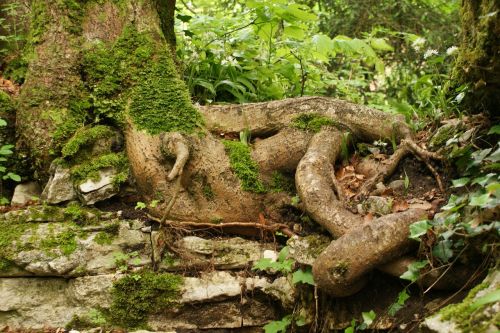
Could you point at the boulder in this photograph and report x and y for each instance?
(59, 188)
(26, 192)
(92, 191)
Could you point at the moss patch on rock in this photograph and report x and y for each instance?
(243, 166)
(84, 138)
(311, 122)
(138, 295)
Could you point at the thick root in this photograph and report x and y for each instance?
(340, 267)
(313, 180)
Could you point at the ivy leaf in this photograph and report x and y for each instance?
(413, 271)
(483, 180)
(494, 130)
(443, 251)
(368, 317)
(494, 157)
(479, 200)
(2, 122)
(400, 302)
(278, 325)
(305, 277)
(419, 228)
(12, 176)
(460, 182)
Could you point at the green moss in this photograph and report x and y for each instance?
(75, 211)
(5, 264)
(90, 169)
(140, 69)
(85, 137)
(136, 296)
(466, 317)
(339, 270)
(104, 238)
(6, 106)
(161, 103)
(245, 168)
(10, 234)
(65, 241)
(208, 192)
(92, 319)
(311, 122)
(39, 21)
(282, 183)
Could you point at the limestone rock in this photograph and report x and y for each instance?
(59, 188)
(25, 192)
(230, 253)
(304, 250)
(378, 205)
(92, 191)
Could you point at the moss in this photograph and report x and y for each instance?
(92, 319)
(311, 122)
(10, 234)
(39, 21)
(160, 103)
(208, 193)
(467, 318)
(85, 137)
(5, 264)
(339, 270)
(104, 238)
(65, 241)
(282, 183)
(6, 106)
(136, 296)
(90, 169)
(245, 168)
(74, 211)
(140, 69)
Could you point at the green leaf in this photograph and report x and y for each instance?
(305, 277)
(140, 205)
(322, 43)
(494, 157)
(368, 317)
(380, 44)
(443, 251)
(294, 32)
(283, 253)
(279, 325)
(2, 122)
(479, 200)
(13, 176)
(419, 228)
(184, 18)
(491, 297)
(494, 130)
(413, 271)
(460, 182)
(263, 264)
(483, 180)
(400, 302)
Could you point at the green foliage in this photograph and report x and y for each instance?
(303, 276)
(311, 122)
(261, 50)
(245, 168)
(368, 318)
(104, 238)
(93, 318)
(282, 265)
(403, 296)
(278, 326)
(135, 296)
(65, 241)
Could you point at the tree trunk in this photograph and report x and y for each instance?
(478, 63)
(103, 70)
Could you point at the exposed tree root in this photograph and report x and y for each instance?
(340, 267)
(237, 228)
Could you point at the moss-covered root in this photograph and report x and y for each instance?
(339, 269)
(314, 182)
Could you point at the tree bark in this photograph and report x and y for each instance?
(478, 62)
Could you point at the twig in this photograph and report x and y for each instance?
(445, 271)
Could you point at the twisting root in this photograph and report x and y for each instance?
(406, 146)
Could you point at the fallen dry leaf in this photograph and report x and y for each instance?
(368, 217)
(400, 206)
